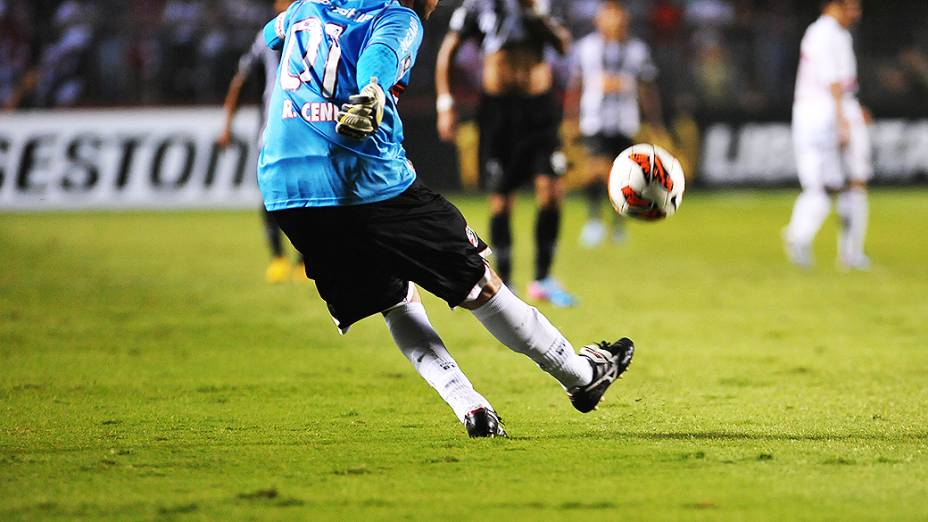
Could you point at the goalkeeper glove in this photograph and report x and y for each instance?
(361, 116)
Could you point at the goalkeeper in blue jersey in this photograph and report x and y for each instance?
(335, 176)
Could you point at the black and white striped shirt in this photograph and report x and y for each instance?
(614, 113)
(500, 24)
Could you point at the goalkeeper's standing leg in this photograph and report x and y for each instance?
(279, 269)
(420, 343)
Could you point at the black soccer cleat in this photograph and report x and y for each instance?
(609, 362)
(484, 422)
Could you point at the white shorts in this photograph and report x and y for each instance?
(822, 163)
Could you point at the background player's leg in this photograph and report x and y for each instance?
(547, 226)
(816, 168)
(809, 213)
(854, 210)
(852, 204)
(594, 230)
(619, 234)
(595, 191)
(409, 325)
(549, 192)
(501, 233)
(279, 269)
(273, 234)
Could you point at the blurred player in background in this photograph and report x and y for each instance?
(339, 184)
(279, 269)
(831, 139)
(519, 119)
(60, 77)
(616, 80)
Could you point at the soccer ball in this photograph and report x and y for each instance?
(646, 182)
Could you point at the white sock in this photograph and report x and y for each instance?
(409, 325)
(854, 210)
(809, 213)
(524, 330)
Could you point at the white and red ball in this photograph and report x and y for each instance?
(647, 183)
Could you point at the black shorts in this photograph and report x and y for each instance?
(606, 145)
(363, 257)
(519, 139)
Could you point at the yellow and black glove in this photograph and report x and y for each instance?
(361, 116)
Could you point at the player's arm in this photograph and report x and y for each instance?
(822, 51)
(233, 96)
(231, 107)
(650, 101)
(553, 33)
(444, 100)
(649, 96)
(844, 128)
(390, 53)
(574, 91)
(463, 25)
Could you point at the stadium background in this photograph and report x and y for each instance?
(727, 71)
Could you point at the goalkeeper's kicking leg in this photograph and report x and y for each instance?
(523, 329)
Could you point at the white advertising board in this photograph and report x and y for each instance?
(126, 159)
(762, 153)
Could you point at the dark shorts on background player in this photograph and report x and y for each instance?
(519, 139)
(606, 145)
(363, 257)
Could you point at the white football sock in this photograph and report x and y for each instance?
(809, 213)
(854, 210)
(409, 325)
(524, 330)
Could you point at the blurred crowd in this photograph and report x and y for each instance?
(726, 58)
(738, 58)
(116, 52)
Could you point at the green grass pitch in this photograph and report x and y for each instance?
(148, 372)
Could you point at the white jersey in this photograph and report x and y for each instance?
(615, 113)
(827, 57)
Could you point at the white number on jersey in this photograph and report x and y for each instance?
(290, 80)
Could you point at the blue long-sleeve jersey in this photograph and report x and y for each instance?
(304, 162)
